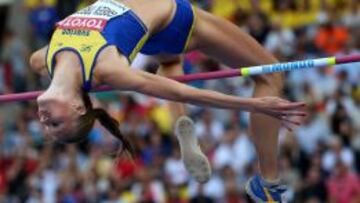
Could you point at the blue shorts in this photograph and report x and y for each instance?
(175, 37)
(129, 34)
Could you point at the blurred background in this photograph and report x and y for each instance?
(319, 161)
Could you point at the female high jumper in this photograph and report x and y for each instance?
(96, 45)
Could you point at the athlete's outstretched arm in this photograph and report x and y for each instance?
(136, 80)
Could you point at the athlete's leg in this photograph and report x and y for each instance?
(195, 161)
(226, 42)
(172, 68)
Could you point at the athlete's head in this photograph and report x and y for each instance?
(69, 120)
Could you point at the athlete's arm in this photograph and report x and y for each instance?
(37, 61)
(165, 88)
(127, 79)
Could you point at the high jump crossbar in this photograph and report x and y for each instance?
(244, 71)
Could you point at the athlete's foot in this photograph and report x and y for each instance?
(195, 161)
(262, 192)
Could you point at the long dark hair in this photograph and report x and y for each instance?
(86, 123)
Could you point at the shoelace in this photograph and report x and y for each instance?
(278, 188)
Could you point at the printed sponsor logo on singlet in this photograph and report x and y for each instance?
(85, 23)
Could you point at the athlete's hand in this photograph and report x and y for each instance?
(289, 113)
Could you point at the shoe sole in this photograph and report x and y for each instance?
(196, 163)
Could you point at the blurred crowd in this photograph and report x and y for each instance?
(319, 161)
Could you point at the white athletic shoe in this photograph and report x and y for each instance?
(196, 163)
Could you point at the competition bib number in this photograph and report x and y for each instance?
(94, 17)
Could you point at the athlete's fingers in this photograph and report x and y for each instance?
(289, 120)
(294, 113)
(287, 126)
(290, 106)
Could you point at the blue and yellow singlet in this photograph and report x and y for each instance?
(109, 22)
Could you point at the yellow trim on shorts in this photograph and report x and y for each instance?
(268, 196)
(191, 29)
(138, 46)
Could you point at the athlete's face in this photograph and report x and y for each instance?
(58, 117)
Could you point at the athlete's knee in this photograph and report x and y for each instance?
(171, 67)
(274, 81)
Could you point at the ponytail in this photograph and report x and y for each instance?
(86, 122)
(112, 126)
